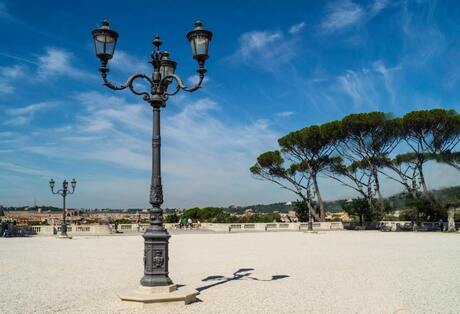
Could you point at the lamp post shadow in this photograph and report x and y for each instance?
(240, 274)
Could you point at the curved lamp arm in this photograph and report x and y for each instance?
(132, 78)
(57, 192)
(104, 71)
(180, 84)
(129, 84)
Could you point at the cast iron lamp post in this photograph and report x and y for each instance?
(156, 237)
(310, 216)
(63, 192)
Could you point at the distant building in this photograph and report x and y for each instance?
(292, 215)
(344, 216)
(179, 211)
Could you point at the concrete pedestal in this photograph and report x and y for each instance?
(153, 296)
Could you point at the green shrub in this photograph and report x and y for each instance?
(391, 218)
(218, 215)
(359, 208)
(124, 221)
(172, 219)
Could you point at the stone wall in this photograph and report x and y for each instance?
(72, 230)
(276, 226)
(87, 230)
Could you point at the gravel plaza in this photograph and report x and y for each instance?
(273, 272)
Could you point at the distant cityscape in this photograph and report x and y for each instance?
(283, 212)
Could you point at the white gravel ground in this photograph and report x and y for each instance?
(330, 272)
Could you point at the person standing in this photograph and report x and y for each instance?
(441, 224)
(8, 229)
(3, 228)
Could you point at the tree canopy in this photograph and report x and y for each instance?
(357, 150)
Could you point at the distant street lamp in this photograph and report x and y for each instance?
(63, 192)
(310, 214)
(156, 237)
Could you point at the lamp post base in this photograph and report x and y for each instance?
(147, 297)
(63, 236)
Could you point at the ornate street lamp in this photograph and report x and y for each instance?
(310, 216)
(160, 82)
(63, 192)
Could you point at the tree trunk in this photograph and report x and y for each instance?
(422, 177)
(369, 201)
(322, 211)
(314, 213)
(413, 192)
(377, 188)
(450, 220)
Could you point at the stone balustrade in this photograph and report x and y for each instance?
(429, 225)
(83, 230)
(275, 226)
(72, 230)
(77, 230)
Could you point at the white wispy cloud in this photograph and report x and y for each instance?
(343, 14)
(24, 170)
(203, 153)
(31, 109)
(375, 87)
(128, 63)
(364, 86)
(423, 38)
(12, 72)
(8, 138)
(59, 62)
(387, 75)
(202, 150)
(17, 121)
(256, 42)
(104, 112)
(428, 49)
(360, 86)
(6, 88)
(267, 50)
(23, 115)
(296, 28)
(353, 86)
(377, 6)
(284, 114)
(8, 75)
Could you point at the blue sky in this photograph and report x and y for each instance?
(272, 69)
